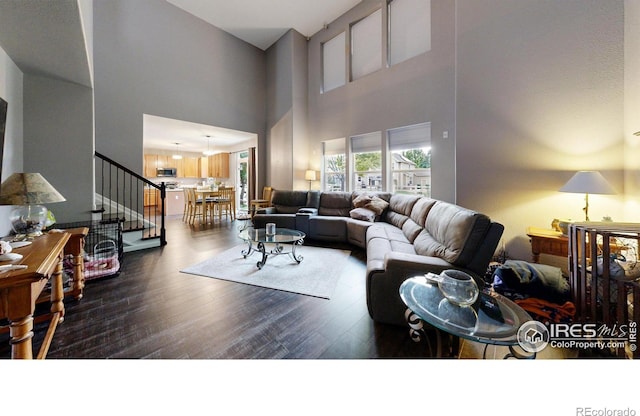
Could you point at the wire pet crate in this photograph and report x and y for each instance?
(605, 273)
(103, 249)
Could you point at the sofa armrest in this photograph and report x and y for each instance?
(405, 264)
(308, 211)
(267, 210)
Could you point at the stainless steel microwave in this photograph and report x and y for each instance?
(166, 172)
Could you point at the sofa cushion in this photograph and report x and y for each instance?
(362, 214)
(288, 202)
(451, 233)
(335, 204)
(400, 206)
(370, 201)
(421, 209)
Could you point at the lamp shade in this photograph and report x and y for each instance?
(310, 175)
(588, 182)
(28, 189)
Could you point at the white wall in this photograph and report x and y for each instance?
(539, 96)
(11, 80)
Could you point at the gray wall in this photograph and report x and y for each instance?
(11, 80)
(632, 109)
(287, 112)
(59, 127)
(539, 96)
(152, 57)
(421, 89)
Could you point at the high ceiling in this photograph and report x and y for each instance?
(262, 22)
(258, 22)
(45, 38)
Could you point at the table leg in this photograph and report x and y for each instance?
(57, 292)
(417, 332)
(297, 258)
(78, 276)
(21, 332)
(263, 250)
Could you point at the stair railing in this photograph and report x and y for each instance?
(131, 198)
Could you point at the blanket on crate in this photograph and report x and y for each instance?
(521, 279)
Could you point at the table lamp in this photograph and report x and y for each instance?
(588, 182)
(27, 191)
(310, 175)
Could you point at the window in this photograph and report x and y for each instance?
(410, 154)
(409, 29)
(335, 172)
(366, 45)
(367, 162)
(333, 63)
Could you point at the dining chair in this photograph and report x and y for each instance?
(265, 201)
(223, 203)
(196, 208)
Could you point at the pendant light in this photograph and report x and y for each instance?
(176, 155)
(208, 152)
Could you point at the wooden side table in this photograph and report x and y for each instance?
(20, 289)
(545, 241)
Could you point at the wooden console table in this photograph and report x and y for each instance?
(544, 241)
(20, 289)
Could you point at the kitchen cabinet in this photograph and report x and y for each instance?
(190, 168)
(219, 165)
(150, 165)
(203, 167)
(165, 161)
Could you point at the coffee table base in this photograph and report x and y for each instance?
(277, 250)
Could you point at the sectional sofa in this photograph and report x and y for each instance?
(404, 235)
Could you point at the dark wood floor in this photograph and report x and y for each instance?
(151, 310)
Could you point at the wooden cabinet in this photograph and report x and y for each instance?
(219, 165)
(150, 165)
(179, 165)
(189, 168)
(165, 161)
(203, 167)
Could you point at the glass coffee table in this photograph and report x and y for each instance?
(257, 240)
(494, 319)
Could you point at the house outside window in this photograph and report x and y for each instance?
(410, 159)
(334, 165)
(367, 162)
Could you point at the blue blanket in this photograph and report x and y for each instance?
(523, 279)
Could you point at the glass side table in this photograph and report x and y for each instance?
(481, 324)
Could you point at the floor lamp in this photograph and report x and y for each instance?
(310, 175)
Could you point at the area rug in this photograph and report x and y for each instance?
(317, 274)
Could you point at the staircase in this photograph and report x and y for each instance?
(125, 196)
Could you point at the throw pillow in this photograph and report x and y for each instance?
(377, 205)
(363, 214)
(361, 200)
